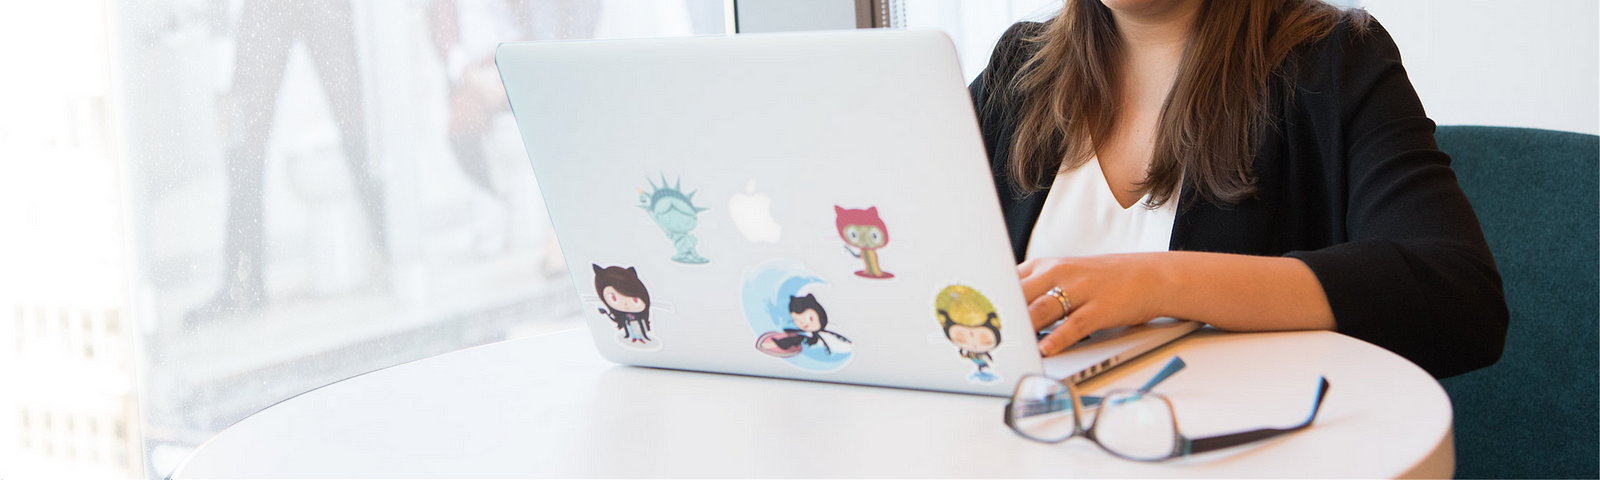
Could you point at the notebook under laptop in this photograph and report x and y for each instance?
(812, 206)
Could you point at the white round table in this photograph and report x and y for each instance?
(550, 406)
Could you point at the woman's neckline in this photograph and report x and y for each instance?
(1105, 187)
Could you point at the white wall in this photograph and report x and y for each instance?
(975, 25)
(1525, 63)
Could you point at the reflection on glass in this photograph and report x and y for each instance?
(265, 33)
(65, 369)
(268, 196)
(319, 188)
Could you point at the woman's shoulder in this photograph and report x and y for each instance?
(1016, 37)
(1011, 52)
(1014, 48)
(1355, 50)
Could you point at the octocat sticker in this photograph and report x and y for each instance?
(972, 326)
(626, 302)
(789, 320)
(864, 233)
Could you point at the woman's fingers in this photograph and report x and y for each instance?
(1042, 275)
(1079, 324)
(1026, 268)
(1100, 291)
(1044, 311)
(1042, 281)
(1082, 281)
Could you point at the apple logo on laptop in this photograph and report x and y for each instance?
(752, 215)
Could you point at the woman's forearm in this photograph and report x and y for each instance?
(1242, 292)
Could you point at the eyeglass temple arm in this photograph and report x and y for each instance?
(1173, 366)
(1202, 445)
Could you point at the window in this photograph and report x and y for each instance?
(20, 329)
(310, 188)
(113, 322)
(317, 187)
(88, 338)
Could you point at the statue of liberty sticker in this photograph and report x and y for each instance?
(677, 215)
(789, 319)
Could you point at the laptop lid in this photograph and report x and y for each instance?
(813, 206)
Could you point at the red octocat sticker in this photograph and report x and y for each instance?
(864, 233)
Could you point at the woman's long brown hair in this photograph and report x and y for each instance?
(1212, 119)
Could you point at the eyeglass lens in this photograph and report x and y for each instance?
(1137, 426)
(1133, 425)
(1043, 410)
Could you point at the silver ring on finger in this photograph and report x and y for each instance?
(1061, 296)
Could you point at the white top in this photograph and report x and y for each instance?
(549, 406)
(1081, 217)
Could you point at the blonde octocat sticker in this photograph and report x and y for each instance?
(972, 325)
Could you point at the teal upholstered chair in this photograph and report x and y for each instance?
(1533, 414)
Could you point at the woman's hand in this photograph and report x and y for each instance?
(1105, 291)
(1231, 292)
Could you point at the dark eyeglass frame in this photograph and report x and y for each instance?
(1173, 366)
(1182, 445)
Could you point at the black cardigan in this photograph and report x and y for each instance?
(1349, 181)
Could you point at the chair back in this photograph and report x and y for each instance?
(1533, 414)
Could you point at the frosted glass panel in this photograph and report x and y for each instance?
(319, 188)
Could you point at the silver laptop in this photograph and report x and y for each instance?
(812, 206)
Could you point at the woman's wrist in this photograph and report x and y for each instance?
(1164, 275)
(1238, 292)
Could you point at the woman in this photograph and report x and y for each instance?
(1277, 149)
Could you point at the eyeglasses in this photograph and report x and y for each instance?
(1132, 424)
